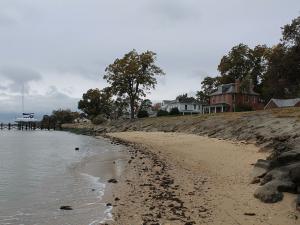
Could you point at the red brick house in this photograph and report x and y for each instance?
(231, 98)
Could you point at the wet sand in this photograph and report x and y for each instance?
(175, 178)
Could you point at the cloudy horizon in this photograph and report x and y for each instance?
(60, 49)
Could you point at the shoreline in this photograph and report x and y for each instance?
(163, 184)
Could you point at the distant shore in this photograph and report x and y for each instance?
(175, 178)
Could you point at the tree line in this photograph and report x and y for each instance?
(130, 78)
(273, 71)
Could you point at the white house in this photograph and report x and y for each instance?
(185, 106)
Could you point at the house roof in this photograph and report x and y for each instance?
(284, 102)
(187, 101)
(230, 89)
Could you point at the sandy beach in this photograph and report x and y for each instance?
(175, 178)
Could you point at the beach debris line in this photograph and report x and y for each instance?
(66, 207)
(162, 201)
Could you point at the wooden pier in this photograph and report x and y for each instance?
(19, 126)
(26, 126)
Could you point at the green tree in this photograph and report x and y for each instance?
(282, 78)
(245, 64)
(208, 85)
(65, 116)
(132, 76)
(95, 102)
(236, 64)
(145, 104)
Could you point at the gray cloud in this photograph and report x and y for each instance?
(17, 77)
(175, 11)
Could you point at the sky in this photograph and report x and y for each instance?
(58, 49)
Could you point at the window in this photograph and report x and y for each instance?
(195, 107)
(185, 107)
(233, 97)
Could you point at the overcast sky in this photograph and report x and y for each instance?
(60, 48)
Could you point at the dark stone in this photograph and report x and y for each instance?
(249, 214)
(76, 149)
(108, 204)
(261, 167)
(282, 138)
(289, 156)
(114, 181)
(189, 223)
(117, 199)
(295, 173)
(268, 193)
(66, 207)
(287, 186)
(298, 203)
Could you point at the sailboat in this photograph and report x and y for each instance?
(26, 117)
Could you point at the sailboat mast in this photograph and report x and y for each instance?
(23, 98)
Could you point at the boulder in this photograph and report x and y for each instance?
(66, 207)
(298, 203)
(268, 193)
(261, 167)
(289, 156)
(295, 173)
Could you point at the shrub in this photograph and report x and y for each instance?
(174, 111)
(98, 120)
(142, 114)
(243, 108)
(162, 113)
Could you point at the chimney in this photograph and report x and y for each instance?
(237, 85)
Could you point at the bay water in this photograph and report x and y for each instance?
(40, 171)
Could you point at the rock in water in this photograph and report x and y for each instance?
(66, 207)
(77, 149)
(114, 181)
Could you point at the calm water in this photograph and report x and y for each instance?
(40, 171)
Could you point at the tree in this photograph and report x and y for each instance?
(142, 113)
(291, 33)
(119, 107)
(58, 117)
(146, 104)
(282, 78)
(208, 85)
(185, 98)
(95, 102)
(236, 64)
(132, 76)
(174, 112)
(244, 64)
(64, 116)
